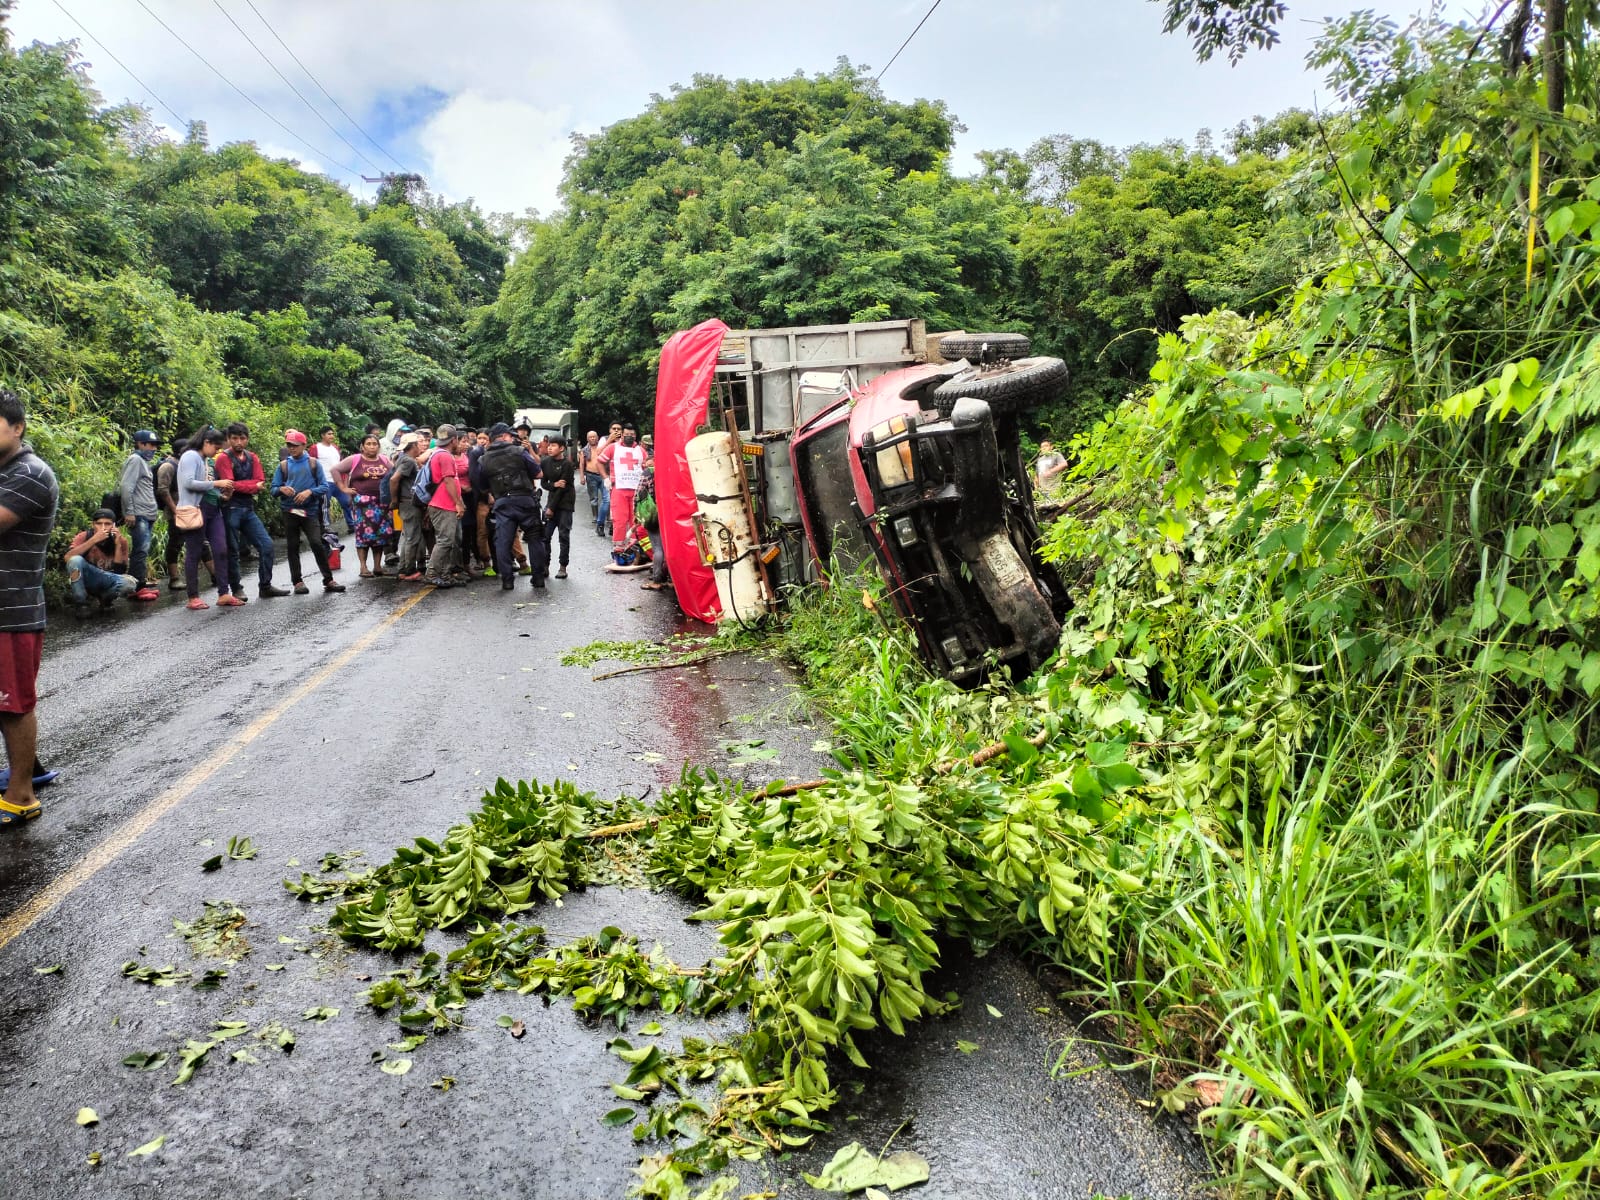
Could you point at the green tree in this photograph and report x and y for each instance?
(790, 202)
(1142, 239)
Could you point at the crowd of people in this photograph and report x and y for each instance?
(437, 506)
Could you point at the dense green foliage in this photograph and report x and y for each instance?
(802, 201)
(1130, 243)
(817, 201)
(149, 284)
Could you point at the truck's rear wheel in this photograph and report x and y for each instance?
(985, 347)
(1012, 387)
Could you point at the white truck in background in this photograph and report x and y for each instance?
(549, 420)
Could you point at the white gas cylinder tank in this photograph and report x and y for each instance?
(725, 526)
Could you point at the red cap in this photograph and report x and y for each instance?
(294, 437)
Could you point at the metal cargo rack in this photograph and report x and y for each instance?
(760, 389)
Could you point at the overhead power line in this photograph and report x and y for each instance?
(907, 42)
(288, 83)
(322, 154)
(112, 55)
(843, 124)
(380, 147)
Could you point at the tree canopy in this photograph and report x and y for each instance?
(146, 283)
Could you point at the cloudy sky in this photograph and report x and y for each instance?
(481, 96)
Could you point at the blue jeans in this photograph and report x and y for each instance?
(139, 560)
(599, 500)
(92, 581)
(242, 525)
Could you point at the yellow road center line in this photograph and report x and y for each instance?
(107, 851)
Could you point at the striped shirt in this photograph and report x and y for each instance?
(28, 489)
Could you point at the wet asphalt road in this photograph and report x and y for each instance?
(132, 703)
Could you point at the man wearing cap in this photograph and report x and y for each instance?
(97, 564)
(139, 511)
(446, 506)
(511, 475)
(560, 499)
(302, 486)
(412, 519)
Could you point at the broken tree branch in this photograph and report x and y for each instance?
(694, 660)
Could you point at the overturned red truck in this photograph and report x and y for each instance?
(786, 454)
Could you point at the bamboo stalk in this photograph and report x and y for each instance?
(606, 831)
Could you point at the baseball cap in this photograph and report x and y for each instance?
(104, 514)
(294, 437)
(145, 437)
(445, 432)
(499, 429)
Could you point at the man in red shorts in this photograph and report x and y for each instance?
(28, 497)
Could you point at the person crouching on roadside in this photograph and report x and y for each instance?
(199, 516)
(97, 564)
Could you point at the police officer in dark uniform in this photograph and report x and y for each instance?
(511, 474)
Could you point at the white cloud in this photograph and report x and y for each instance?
(307, 163)
(504, 153)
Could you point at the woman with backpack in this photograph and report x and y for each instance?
(361, 477)
(198, 516)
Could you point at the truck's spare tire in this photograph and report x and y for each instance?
(1009, 387)
(983, 348)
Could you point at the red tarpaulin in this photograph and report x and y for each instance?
(683, 383)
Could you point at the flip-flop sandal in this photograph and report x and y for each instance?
(13, 814)
(42, 779)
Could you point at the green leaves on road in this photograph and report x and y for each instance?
(163, 977)
(855, 1168)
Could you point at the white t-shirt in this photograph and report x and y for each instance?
(627, 467)
(328, 456)
(1049, 462)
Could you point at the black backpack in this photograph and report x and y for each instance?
(113, 501)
